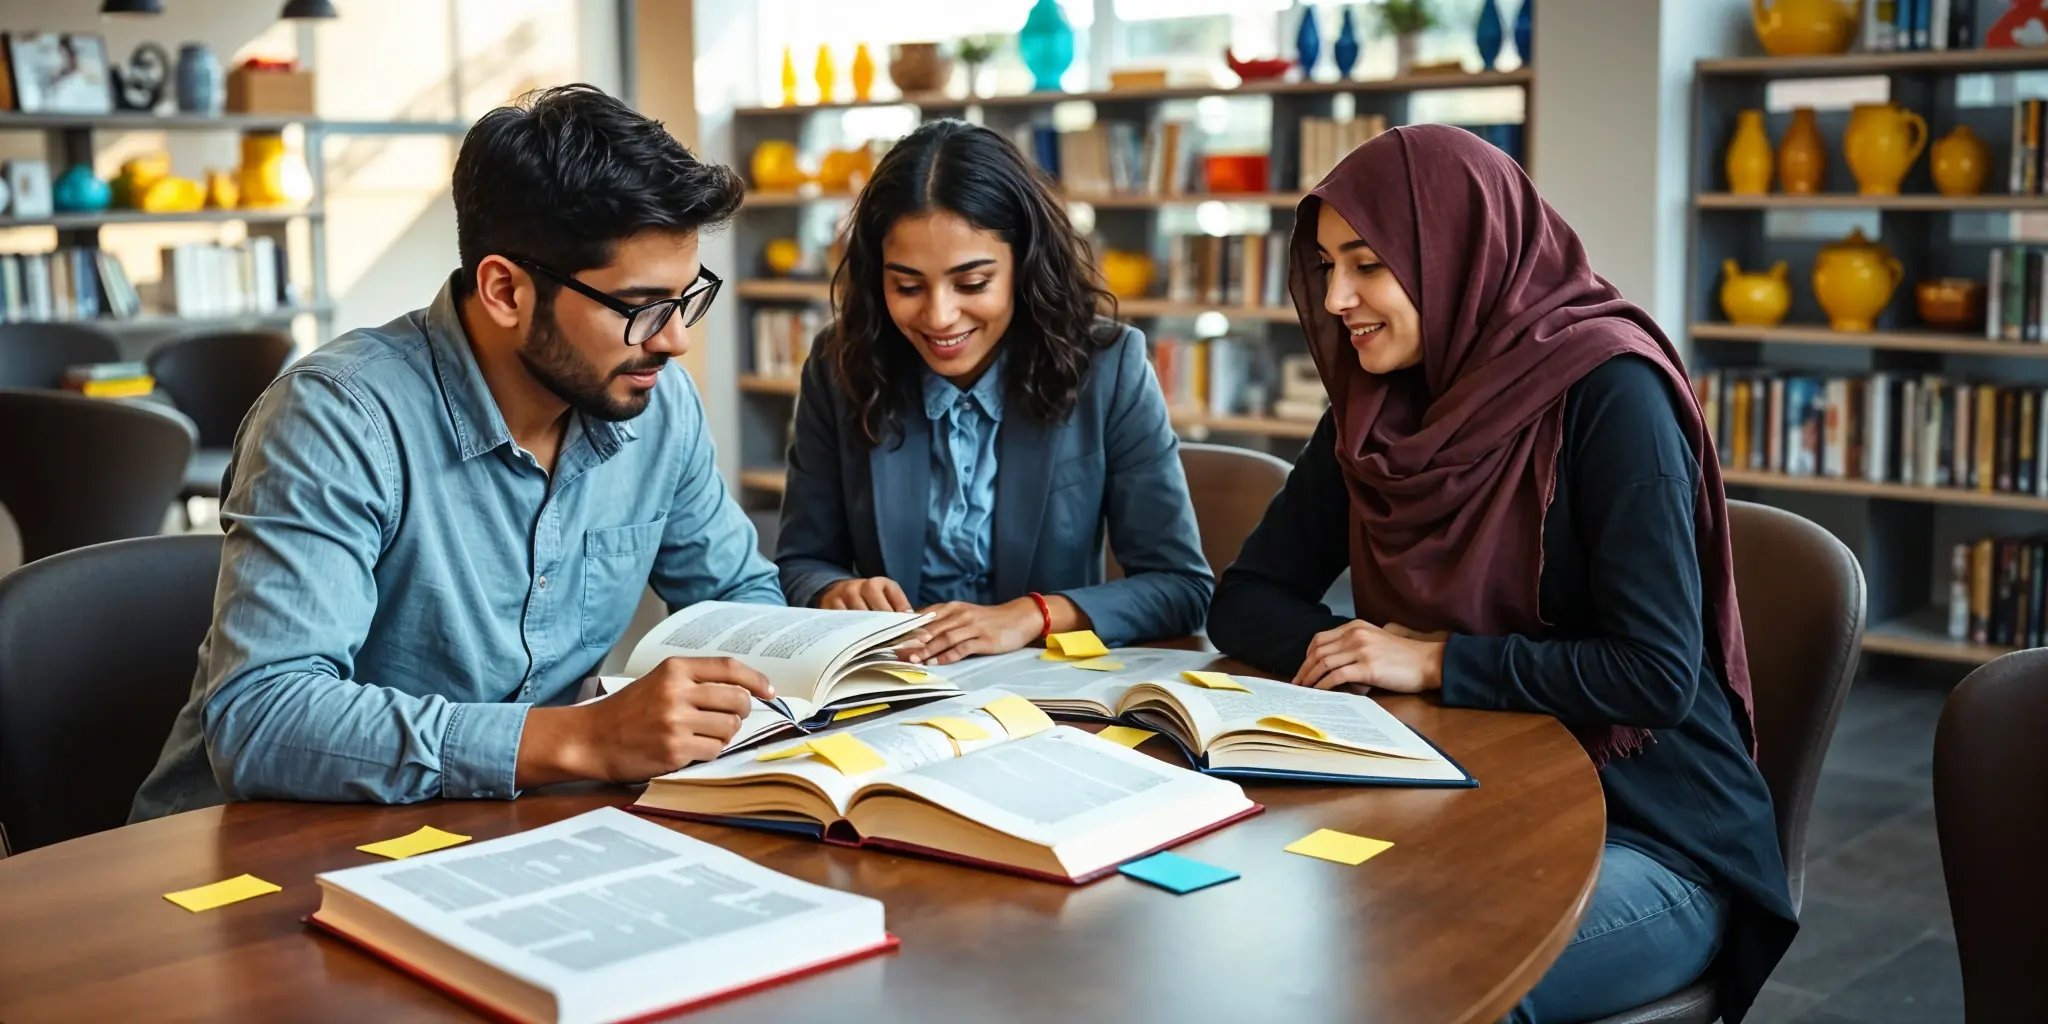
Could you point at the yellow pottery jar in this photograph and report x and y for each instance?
(774, 166)
(1802, 156)
(263, 158)
(1805, 28)
(1854, 279)
(824, 74)
(1128, 275)
(863, 73)
(1749, 156)
(1755, 300)
(1961, 162)
(1881, 143)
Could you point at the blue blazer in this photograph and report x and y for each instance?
(854, 511)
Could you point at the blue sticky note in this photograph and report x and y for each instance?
(1177, 874)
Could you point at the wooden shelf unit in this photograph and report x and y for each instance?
(1934, 342)
(1904, 202)
(1924, 634)
(1891, 492)
(768, 480)
(756, 384)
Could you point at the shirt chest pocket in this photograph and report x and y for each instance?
(616, 563)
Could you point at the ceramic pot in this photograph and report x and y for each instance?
(1882, 141)
(1755, 299)
(1802, 155)
(201, 86)
(1748, 162)
(1961, 162)
(1854, 279)
(1951, 303)
(1805, 28)
(919, 68)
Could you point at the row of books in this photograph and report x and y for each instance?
(72, 282)
(1231, 377)
(109, 380)
(1996, 591)
(1229, 270)
(1919, 430)
(2016, 294)
(782, 339)
(1326, 140)
(210, 279)
(1894, 25)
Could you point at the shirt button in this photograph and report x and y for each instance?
(543, 582)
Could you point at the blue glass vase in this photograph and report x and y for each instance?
(1047, 45)
(1490, 34)
(1345, 49)
(1308, 43)
(1523, 18)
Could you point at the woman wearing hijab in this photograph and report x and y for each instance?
(1518, 477)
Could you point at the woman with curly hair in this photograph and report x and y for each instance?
(970, 427)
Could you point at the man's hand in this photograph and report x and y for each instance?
(873, 594)
(685, 710)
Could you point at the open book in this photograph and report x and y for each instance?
(985, 778)
(818, 661)
(1238, 726)
(604, 916)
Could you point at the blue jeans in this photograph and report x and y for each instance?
(1647, 933)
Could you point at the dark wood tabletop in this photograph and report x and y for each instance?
(1456, 922)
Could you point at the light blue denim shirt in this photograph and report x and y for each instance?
(400, 581)
(964, 428)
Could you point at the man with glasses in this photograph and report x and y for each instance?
(437, 528)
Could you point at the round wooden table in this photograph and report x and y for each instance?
(1458, 921)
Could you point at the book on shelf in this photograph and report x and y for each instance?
(1234, 726)
(1231, 271)
(1996, 591)
(1326, 140)
(1213, 376)
(782, 340)
(1924, 430)
(70, 282)
(206, 279)
(984, 779)
(2016, 295)
(605, 916)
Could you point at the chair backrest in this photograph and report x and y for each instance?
(1991, 810)
(98, 648)
(216, 378)
(34, 355)
(1802, 600)
(77, 471)
(1230, 487)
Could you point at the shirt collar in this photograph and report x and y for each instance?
(940, 394)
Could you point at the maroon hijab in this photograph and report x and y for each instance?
(1452, 466)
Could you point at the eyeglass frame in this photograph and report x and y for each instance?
(706, 282)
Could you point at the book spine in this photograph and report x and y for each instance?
(2037, 552)
(1984, 428)
(2003, 453)
(1774, 425)
(1980, 592)
(1962, 24)
(1834, 428)
(1959, 593)
(1938, 31)
(2023, 461)
(1739, 447)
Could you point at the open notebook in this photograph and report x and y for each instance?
(1234, 726)
(985, 779)
(601, 917)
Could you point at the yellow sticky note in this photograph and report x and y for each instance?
(1081, 643)
(220, 894)
(1098, 664)
(955, 727)
(1342, 847)
(1020, 717)
(1291, 724)
(786, 752)
(867, 709)
(910, 675)
(848, 753)
(1124, 735)
(1213, 681)
(426, 840)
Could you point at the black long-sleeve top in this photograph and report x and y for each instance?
(1620, 586)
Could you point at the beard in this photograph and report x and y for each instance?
(551, 360)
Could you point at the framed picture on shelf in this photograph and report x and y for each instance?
(29, 181)
(59, 72)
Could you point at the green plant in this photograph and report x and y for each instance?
(1406, 17)
(979, 49)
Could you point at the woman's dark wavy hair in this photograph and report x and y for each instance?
(968, 170)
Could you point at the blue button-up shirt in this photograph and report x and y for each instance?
(963, 489)
(400, 581)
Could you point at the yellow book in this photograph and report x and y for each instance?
(123, 387)
(1985, 475)
(1739, 451)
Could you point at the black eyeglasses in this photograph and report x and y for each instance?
(646, 320)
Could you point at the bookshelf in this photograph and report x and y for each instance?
(1122, 220)
(1902, 532)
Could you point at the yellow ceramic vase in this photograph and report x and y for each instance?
(1802, 157)
(775, 166)
(1755, 300)
(1805, 28)
(1128, 275)
(1749, 156)
(824, 73)
(789, 79)
(1882, 141)
(263, 158)
(863, 73)
(1854, 280)
(1961, 162)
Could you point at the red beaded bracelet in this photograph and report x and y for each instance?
(1045, 611)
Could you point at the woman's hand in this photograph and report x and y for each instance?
(873, 594)
(961, 629)
(1394, 658)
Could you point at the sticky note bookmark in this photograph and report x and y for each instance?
(1293, 725)
(910, 675)
(1342, 847)
(845, 752)
(426, 840)
(1019, 717)
(1097, 664)
(955, 727)
(1079, 644)
(220, 894)
(859, 711)
(1177, 874)
(1213, 681)
(1125, 736)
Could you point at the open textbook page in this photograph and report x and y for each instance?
(816, 659)
(983, 777)
(604, 916)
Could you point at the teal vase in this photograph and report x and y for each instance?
(1047, 45)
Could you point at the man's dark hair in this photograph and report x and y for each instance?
(565, 174)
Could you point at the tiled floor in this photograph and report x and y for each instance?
(1876, 945)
